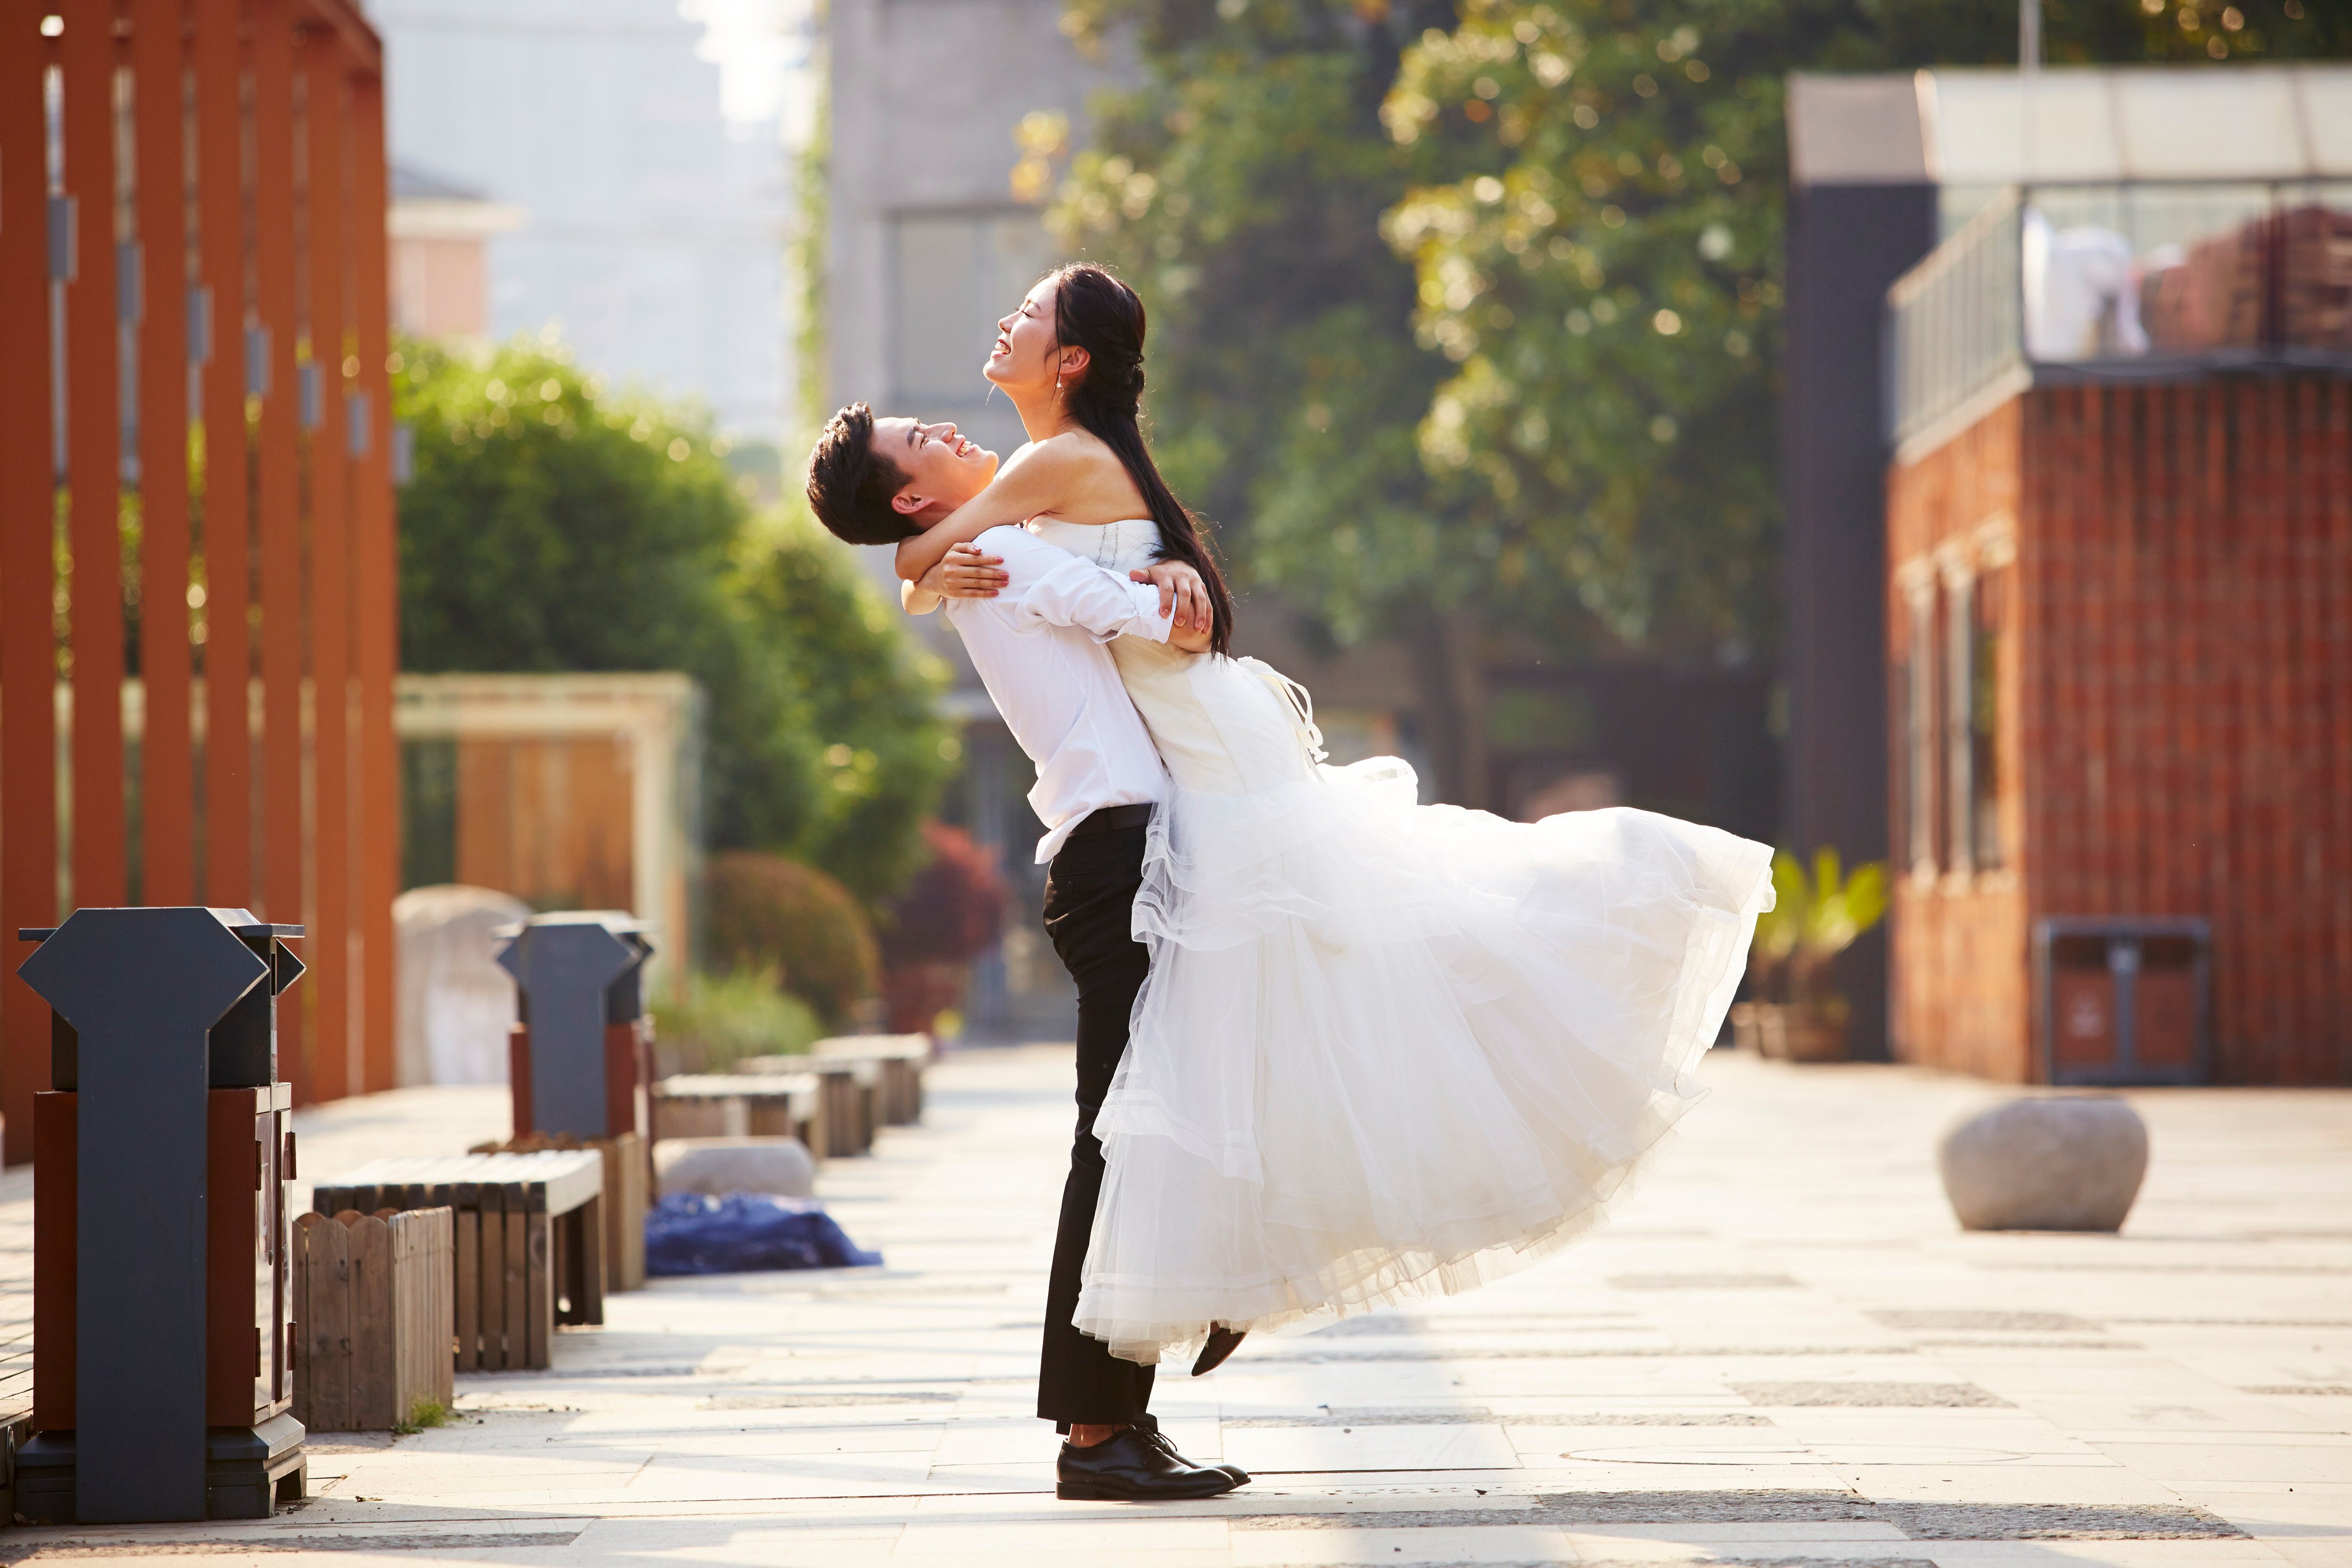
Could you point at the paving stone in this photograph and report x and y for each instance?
(1481, 1414)
(1933, 1320)
(1704, 1283)
(808, 1419)
(1873, 1396)
(374, 1542)
(2054, 1521)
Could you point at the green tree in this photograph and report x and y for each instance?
(551, 525)
(1602, 263)
(859, 686)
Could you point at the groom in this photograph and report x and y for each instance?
(1033, 619)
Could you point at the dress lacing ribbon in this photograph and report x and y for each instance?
(1299, 699)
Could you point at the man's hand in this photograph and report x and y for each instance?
(1181, 587)
(966, 574)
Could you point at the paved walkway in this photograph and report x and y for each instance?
(1786, 1354)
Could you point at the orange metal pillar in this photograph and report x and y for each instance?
(220, 180)
(167, 756)
(94, 460)
(324, 124)
(277, 472)
(376, 587)
(28, 828)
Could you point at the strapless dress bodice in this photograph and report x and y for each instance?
(1220, 727)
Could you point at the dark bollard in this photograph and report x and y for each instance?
(161, 1331)
(581, 1050)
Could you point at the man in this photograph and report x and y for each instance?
(1037, 642)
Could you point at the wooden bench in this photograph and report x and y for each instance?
(900, 1058)
(628, 1177)
(742, 1105)
(845, 1092)
(528, 1237)
(869, 1081)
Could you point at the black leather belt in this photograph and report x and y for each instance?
(1110, 818)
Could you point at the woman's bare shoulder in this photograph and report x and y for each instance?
(1066, 451)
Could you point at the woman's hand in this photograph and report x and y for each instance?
(967, 574)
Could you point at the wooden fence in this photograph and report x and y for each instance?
(373, 1297)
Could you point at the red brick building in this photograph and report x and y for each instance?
(2119, 650)
(2118, 637)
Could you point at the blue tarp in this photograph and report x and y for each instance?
(693, 1233)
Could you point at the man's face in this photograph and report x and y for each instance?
(943, 471)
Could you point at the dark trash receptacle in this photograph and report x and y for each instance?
(581, 1050)
(162, 1388)
(2122, 1001)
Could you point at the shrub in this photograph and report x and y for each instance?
(770, 913)
(722, 1019)
(953, 909)
(952, 912)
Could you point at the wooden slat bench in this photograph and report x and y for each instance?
(530, 1241)
(628, 1178)
(733, 1105)
(848, 1096)
(901, 1058)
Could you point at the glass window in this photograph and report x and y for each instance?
(1988, 602)
(1918, 732)
(1959, 705)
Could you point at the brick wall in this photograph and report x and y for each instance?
(1959, 938)
(2179, 740)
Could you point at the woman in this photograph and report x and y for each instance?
(1385, 1049)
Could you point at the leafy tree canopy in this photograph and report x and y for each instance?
(550, 524)
(1470, 314)
(1602, 263)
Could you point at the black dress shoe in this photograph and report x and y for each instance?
(1168, 1447)
(1134, 1466)
(1222, 1342)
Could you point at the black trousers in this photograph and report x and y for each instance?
(1089, 901)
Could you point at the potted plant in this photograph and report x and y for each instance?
(1815, 917)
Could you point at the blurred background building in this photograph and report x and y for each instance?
(641, 207)
(441, 234)
(2113, 660)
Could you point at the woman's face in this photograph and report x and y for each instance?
(1026, 355)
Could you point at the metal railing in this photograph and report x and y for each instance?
(1954, 322)
(2119, 281)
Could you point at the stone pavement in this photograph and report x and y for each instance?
(1785, 1353)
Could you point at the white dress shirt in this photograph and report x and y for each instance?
(1038, 647)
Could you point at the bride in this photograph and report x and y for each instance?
(1385, 1049)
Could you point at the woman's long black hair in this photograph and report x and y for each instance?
(1095, 311)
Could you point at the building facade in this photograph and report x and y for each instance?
(2118, 595)
(650, 227)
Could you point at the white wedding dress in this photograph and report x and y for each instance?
(1386, 1049)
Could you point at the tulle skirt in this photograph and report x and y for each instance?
(1388, 1051)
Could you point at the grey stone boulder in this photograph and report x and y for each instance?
(717, 1167)
(2046, 1163)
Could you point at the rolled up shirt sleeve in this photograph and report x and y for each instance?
(1050, 586)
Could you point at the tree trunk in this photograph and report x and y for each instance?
(1454, 685)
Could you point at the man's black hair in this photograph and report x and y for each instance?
(850, 485)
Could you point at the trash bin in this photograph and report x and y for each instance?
(581, 1049)
(2122, 1001)
(161, 1383)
